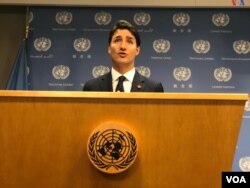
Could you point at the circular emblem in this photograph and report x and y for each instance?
(247, 106)
(181, 19)
(42, 44)
(201, 46)
(64, 17)
(142, 18)
(99, 71)
(244, 164)
(112, 148)
(60, 72)
(82, 44)
(241, 46)
(222, 74)
(161, 45)
(182, 73)
(144, 71)
(103, 18)
(220, 19)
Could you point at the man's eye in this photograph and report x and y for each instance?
(117, 40)
(130, 42)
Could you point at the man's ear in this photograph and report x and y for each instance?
(138, 50)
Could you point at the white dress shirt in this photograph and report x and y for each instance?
(127, 84)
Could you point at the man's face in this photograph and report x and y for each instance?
(123, 48)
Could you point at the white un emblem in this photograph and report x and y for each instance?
(241, 46)
(82, 44)
(161, 45)
(60, 72)
(64, 18)
(201, 46)
(182, 73)
(220, 20)
(142, 18)
(99, 71)
(247, 106)
(103, 18)
(112, 148)
(144, 71)
(181, 19)
(42, 44)
(244, 164)
(222, 74)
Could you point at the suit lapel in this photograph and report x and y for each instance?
(138, 83)
(106, 82)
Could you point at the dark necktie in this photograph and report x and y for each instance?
(119, 87)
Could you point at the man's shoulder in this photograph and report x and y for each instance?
(97, 79)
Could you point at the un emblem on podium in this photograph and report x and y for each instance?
(112, 148)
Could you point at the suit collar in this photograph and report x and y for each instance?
(138, 83)
(106, 84)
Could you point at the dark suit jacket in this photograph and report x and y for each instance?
(140, 84)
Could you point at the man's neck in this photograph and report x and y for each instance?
(123, 69)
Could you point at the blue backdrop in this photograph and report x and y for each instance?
(188, 50)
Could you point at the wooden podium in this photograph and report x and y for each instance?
(184, 140)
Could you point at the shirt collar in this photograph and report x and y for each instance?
(129, 75)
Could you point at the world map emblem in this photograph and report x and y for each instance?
(161, 45)
(42, 44)
(103, 18)
(222, 74)
(201, 46)
(64, 17)
(247, 106)
(112, 148)
(181, 19)
(182, 73)
(244, 164)
(241, 46)
(60, 72)
(82, 44)
(142, 18)
(144, 71)
(99, 71)
(220, 19)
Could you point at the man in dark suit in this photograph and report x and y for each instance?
(124, 46)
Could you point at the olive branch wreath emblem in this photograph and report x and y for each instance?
(131, 156)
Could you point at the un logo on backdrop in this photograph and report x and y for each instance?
(222, 74)
(247, 106)
(42, 44)
(144, 71)
(241, 46)
(142, 18)
(82, 44)
(64, 17)
(181, 19)
(161, 45)
(220, 19)
(103, 18)
(99, 71)
(60, 72)
(201, 46)
(244, 164)
(182, 73)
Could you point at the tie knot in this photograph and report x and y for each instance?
(119, 86)
(122, 78)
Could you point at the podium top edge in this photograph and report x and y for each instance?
(108, 95)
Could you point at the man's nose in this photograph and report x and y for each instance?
(123, 45)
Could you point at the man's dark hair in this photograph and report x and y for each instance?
(123, 24)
